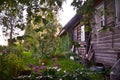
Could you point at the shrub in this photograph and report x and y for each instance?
(10, 65)
(29, 58)
(64, 69)
(58, 55)
(15, 64)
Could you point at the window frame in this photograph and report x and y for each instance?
(117, 13)
(83, 33)
(102, 17)
(75, 34)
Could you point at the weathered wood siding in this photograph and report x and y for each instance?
(106, 45)
(81, 49)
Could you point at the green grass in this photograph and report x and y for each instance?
(69, 65)
(65, 64)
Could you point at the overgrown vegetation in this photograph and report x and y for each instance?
(87, 11)
(52, 66)
(39, 49)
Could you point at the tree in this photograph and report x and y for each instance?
(12, 14)
(42, 38)
(86, 9)
(12, 21)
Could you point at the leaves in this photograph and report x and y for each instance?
(28, 36)
(37, 19)
(104, 28)
(39, 29)
(42, 1)
(85, 9)
(111, 29)
(88, 28)
(20, 37)
(59, 2)
(20, 14)
(44, 21)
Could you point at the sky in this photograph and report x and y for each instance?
(67, 13)
(2, 41)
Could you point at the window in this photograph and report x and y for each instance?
(100, 16)
(83, 33)
(75, 34)
(117, 2)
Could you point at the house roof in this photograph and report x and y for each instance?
(72, 23)
(75, 20)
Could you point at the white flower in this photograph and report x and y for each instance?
(0, 54)
(80, 72)
(43, 63)
(71, 57)
(54, 67)
(64, 71)
(58, 70)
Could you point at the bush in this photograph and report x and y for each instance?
(28, 58)
(10, 65)
(58, 55)
(64, 69)
(16, 64)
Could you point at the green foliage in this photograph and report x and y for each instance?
(62, 45)
(15, 64)
(66, 70)
(64, 62)
(45, 21)
(111, 29)
(104, 28)
(43, 37)
(29, 58)
(69, 65)
(20, 14)
(26, 54)
(76, 44)
(88, 28)
(10, 65)
(37, 19)
(59, 56)
(87, 10)
(4, 67)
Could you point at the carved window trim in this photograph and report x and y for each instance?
(117, 7)
(100, 16)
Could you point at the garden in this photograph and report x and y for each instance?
(23, 64)
(39, 53)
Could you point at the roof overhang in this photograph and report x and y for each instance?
(72, 23)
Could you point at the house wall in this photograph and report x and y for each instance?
(106, 45)
(77, 38)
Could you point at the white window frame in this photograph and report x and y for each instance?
(75, 34)
(117, 7)
(83, 33)
(102, 21)
(98, 25)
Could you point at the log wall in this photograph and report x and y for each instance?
(81, 49)
(106, 45)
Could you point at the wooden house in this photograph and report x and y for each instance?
(106, 44)
(101, 46)
(77, 34)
